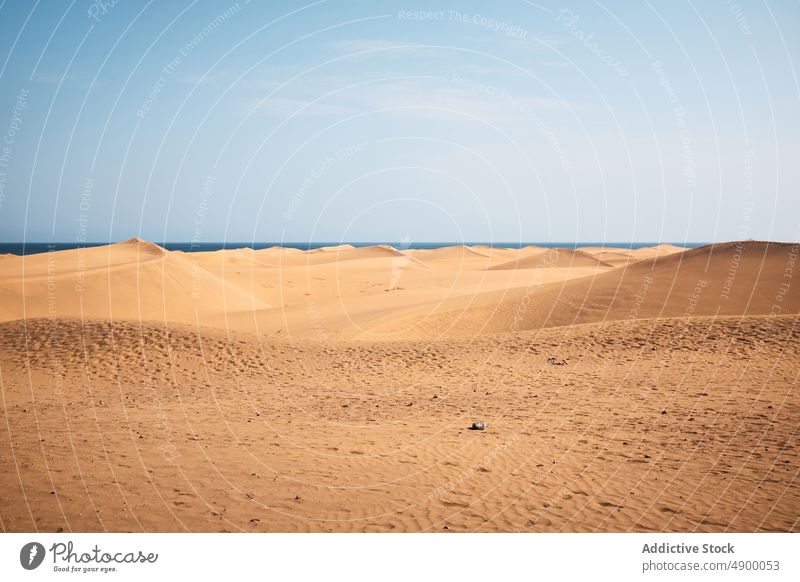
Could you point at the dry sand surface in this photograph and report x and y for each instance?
(333, 390)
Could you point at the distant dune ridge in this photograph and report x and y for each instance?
(131, 280)
(332, 390)
(564, 258)
(751, 278)
(379, 292)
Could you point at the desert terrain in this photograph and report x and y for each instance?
(653, 389)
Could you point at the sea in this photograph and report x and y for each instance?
(31, 248)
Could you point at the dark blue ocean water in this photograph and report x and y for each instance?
(40, 247)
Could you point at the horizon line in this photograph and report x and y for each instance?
(340, 242)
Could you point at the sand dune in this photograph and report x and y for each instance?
(279, 291)
(379, 292)
(659, 425)
(332, 249)
(340, 254)
(657, 250)
(554, 258)
(451, 253)
(131, 280)
(332, 390)
(616, 257)
(750, 278)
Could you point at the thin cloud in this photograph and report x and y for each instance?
(287, 106)
(365, 47)
(442, 98)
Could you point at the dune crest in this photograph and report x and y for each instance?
(142, 246)
(552, 258)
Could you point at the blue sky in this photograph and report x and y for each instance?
(387, 121)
